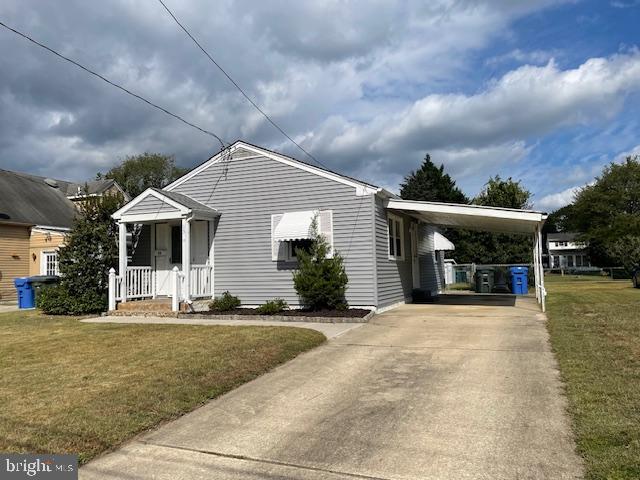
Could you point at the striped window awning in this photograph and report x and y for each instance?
(295, 226)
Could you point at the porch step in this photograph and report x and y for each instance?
(157, 305)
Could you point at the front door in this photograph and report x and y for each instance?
(162, 254)
(415, 260)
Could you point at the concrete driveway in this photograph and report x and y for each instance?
(422, 392)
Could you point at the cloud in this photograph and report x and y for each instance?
(558, 200)
(367, 87)
(534, 57)
(625, 4)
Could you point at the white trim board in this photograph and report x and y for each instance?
(361, 187)
(151, 192)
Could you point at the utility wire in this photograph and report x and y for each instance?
(235, 84)
(139, 97)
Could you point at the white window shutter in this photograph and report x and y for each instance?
(325, 227)
(275, 246)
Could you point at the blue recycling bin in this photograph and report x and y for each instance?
(519, 280)
(26, 298)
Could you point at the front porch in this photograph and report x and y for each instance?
(177, 258)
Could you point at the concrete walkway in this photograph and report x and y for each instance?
(330, 330)
(423, 392)
(6, 308)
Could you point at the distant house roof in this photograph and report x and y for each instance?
(562, 237)
(33, 200)
(94, 187)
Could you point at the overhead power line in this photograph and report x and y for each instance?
(235, 84)
(129, 92)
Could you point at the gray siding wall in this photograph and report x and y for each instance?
(151, 204)
(429, 272)
(247, 192)
(395, 281)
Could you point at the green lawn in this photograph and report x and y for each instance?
(67, 386)
(595, 332)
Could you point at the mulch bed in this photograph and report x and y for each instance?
(349, 313)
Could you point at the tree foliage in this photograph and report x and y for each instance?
(608, 211)
(561, 220)
(136, 173)
(90, 250)
(504, 193)
(488, 247)
(320, 280)
(430, 184)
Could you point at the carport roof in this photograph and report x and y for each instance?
(474, 217)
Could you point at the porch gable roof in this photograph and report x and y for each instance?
(156, 204)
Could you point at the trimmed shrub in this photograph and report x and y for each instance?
(224, 303)
(320, 280)
(57, 300)
(271, 307)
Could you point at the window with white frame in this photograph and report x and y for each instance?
(395, 230)
(293, 230)
(49, 263)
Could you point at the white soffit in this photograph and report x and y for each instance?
(442, 243)
(474, 217)
(295, 226)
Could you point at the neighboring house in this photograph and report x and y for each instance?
(565, 251)
(233, 223)
(35, 215)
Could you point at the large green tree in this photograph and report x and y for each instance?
(487, 247)
(136, 173)
(607, 213)
(90, 250)
(431, 184)
(561, 220)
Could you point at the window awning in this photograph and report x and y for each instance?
(442, 243)
(294, 226)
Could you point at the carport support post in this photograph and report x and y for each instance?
(543, 291)
(535, 265)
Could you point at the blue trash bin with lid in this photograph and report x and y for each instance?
(26, 297)
(519, 280)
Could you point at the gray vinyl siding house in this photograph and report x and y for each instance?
(237, 198)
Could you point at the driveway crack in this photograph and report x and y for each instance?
(265, 461)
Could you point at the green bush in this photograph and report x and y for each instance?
(57, 300)
(224, 303)
(271, 307)
(320, 280)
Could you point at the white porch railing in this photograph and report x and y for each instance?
(140, 284)
(200, 284)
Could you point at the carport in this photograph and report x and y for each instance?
(488, 219)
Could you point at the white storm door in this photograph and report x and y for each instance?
(162, 254)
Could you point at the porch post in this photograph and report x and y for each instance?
(122, 258)
(152, 261)
(186, 258)
(112, 289)
(212, 239)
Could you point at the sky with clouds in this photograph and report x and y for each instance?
(544, 91)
